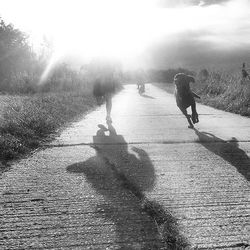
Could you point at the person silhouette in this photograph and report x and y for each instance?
(106, 76)
(104, 90)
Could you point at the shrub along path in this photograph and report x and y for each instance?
(151, 183)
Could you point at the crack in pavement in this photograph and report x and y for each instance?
(244, 245)
(139, 142)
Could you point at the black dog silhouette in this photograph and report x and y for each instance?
(185, 97)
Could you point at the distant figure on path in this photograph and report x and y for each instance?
(245, 74)
(185, 97)
(141, 88)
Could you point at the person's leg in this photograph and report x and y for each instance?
(108, 99)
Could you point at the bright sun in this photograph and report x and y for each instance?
(110, 30)
(87, 29)
(119, 29)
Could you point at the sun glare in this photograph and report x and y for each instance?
(112, 29)
(121, 29)
(109, 28)
(105, 33)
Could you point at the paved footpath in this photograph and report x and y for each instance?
(149, 183)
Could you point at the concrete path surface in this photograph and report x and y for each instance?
(147, 183)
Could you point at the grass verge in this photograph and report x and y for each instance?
(27, 122)
(225, 91)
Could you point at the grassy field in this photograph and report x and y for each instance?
(27, 121)
(221, 90)
(225, 91)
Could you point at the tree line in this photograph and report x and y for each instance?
(21, 68)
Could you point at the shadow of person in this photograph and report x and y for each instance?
(135, 167)
(228, 150)
(122, 177)
(134, 228)
(147, 96)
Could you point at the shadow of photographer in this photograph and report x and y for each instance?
(121, 177)
(134, 228)
(135, 166)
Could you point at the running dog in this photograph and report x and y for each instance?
(185, 97)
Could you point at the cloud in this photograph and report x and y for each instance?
(192, 51)
(209, 2)
(185, 3)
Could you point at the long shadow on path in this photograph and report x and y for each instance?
(122, 178)
(147, 96)
(228, 150)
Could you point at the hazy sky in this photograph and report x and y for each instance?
(151, 33)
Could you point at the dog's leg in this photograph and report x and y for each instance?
(195, 118)
(184, 111)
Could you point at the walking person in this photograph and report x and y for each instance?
(141, 88)
(104, 88)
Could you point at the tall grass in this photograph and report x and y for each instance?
(226, 91)
(28, 121)
(60, 78)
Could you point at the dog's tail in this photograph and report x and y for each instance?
(195, 95)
